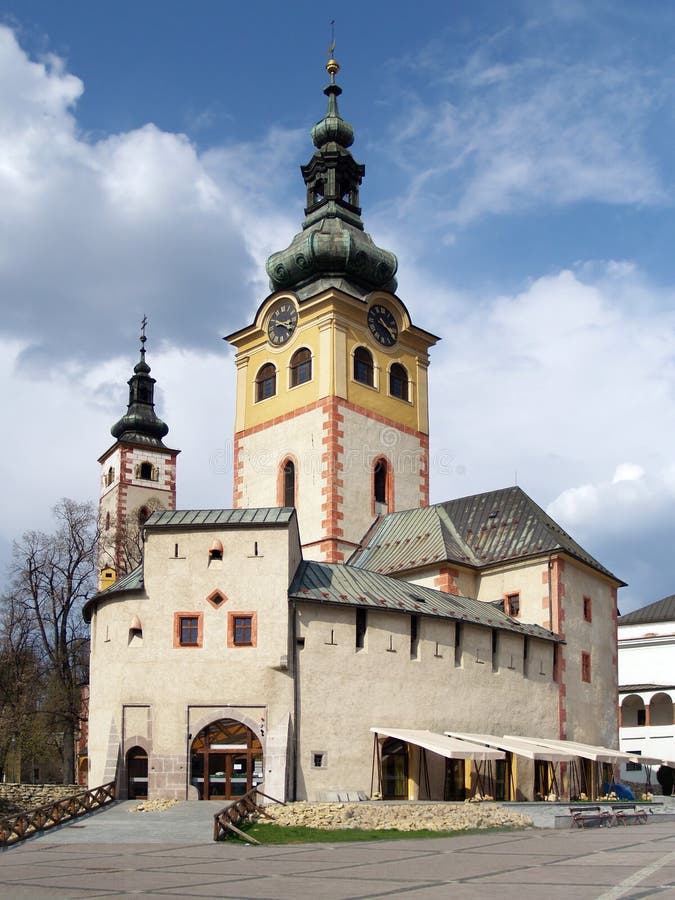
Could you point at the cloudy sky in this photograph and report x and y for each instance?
(519, 162)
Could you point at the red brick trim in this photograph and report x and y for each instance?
(556, 575)
(332, 466)
(445, 580)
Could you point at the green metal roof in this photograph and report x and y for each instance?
(192, 518)
(133, 581)
(346, 585)
(660, 611)
(474, 531)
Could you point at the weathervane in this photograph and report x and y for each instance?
(144, 322)
(332, 66)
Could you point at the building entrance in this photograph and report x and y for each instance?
(226, 760)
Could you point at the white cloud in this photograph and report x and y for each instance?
(500, 137)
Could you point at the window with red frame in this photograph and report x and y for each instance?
(188, 631)
(513, 605)
(586, 667)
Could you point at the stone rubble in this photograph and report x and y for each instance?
(401, 816)
(153, 805)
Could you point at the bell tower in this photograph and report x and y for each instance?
(138, 475)
(332, 400)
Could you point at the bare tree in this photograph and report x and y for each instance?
(52, 576)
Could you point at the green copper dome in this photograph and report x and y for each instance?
(140, 424)
(333, 243)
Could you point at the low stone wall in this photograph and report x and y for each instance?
(402, 816)
(16, 798)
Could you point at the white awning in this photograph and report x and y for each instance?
(527, 747)
(446, 746)
(587, 751)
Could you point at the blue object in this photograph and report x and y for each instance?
(622, 791)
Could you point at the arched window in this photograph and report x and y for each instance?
(266, 382)
(301, 367)
(633, 713)
(107, 521)
(145, 471)
(398, 382)
(110, 476)
(661, 710)
(380, 476)
(363, 366)
(143, 515)
(289, 483)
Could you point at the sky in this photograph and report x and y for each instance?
(518, 162)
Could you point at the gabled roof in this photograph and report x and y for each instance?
(660, 611)
(345, 585)
(475, 531)
(193, 518)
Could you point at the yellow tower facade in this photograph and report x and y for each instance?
(332, 400)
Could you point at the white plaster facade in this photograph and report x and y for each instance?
(646, 646)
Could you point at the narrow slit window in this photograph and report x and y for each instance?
(289, 483)
(414, 637)
(361, 625)
(380, 478)
(458, 644)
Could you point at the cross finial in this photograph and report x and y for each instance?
(331, 46)
(144, 322)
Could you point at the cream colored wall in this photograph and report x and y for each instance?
(465, 579)
(261, 456)
(168, 679)
(591, 708)
(344, 692)
(528, 579)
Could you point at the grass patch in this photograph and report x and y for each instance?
(295, 834)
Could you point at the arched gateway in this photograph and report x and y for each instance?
(226, 760)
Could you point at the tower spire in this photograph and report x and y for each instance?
(333, 243)
(140, 424)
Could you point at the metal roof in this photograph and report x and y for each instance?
(441, 744)
(474, 531)
(133, 581)
(660, 611)
(527, 747)
(192, 518)
(347, 585)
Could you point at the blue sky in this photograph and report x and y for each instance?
(518, 161)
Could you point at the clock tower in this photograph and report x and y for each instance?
(332, 411)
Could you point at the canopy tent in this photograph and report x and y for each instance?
(431, 741)
(546, 759)
(446, 746)
(527, 747)
(586, 751)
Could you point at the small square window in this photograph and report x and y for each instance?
(242, 629)
(319, 760)
(588, 611)
(187, 630)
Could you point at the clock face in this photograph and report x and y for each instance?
(282, 322)
(382, 325)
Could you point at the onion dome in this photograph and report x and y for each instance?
(333, 244)
(140, 424)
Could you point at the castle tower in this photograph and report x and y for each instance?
(138, 475)
(332, 400)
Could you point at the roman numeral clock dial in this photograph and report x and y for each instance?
(382, 325)
(282, 323)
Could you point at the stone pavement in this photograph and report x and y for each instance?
(171, 854)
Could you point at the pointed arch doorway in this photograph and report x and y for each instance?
(226, 760)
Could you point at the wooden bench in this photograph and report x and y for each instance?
(591, 816)
(630, 814)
